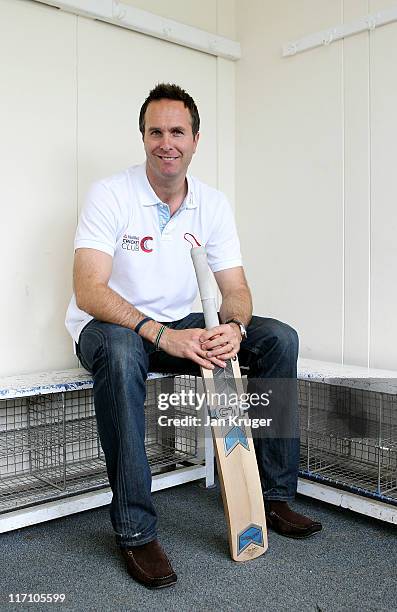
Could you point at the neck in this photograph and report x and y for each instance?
(171, 192)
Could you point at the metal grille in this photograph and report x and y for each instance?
(349, 438)
(49, 445)
(171, 444)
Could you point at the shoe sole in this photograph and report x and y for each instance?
(160, 586)
(152, 587)
(297, 537)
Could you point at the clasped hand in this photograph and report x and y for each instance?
(207, 348)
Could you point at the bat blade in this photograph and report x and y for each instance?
(239, 478)
(234, 448)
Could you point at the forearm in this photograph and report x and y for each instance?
(237, 305)
(107, 305)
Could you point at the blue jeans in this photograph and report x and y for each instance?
(119, 360)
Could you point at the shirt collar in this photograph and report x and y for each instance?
(148, 197)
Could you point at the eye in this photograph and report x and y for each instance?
(155, 132)
(177, 132)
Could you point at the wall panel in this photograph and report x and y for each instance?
(71, 90)
(316, 180)
(38, 183)
(117, 69)
(383, 58)
(289, 170)
(356, 101)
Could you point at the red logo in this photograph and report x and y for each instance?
(143, 244)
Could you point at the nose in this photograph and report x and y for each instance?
(165, 142)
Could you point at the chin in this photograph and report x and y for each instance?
(169, 173)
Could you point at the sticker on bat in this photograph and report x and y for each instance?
(251, 535)
(233, 438)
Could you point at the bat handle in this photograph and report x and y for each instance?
(205, 285)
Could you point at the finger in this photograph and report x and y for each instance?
(201, 358)
(205, 335)
(227, 335)
(214, 360)
(230, 352)
(218, 362)
(204, 363)
(225, 356)
(209, 333)
(220, 350)
(217, 342)
(219, 330)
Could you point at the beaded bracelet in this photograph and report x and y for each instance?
(159, 334)
(141, 323)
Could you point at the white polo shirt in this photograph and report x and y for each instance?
(152, 269)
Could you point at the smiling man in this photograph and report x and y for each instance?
(134, 286)
(170, 141)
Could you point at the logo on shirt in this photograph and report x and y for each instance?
(134, 243)
(144, 244)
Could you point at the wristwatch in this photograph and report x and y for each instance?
(243, 329)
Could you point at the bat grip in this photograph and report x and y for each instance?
(205, 285)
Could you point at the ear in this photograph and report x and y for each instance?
(195, 140)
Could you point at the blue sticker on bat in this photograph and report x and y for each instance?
(252, 535)
(233, 438)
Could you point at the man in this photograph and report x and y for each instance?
(133, 287)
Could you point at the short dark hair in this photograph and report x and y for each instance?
(170, 91)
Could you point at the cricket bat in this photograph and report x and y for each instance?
(234, 448)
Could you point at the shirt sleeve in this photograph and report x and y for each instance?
(100, 221)
(223, 245)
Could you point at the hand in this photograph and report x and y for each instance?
(221, 342)
(186, 343)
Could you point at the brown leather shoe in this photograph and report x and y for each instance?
(148, 564)
(286, 522)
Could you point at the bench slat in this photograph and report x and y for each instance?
(58, 381)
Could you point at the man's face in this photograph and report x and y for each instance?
(168, 139)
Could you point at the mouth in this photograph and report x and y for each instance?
(167, 158)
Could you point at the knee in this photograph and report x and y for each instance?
(124, 349)
(285, 338)
(289, 339)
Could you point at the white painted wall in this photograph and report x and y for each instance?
(316, 181)
(312, 149)
(38, 184)
(70, 93)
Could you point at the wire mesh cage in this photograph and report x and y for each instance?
(349, 438)
(45, 430)
(49, 444)
(169, 444)
(15, 450)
